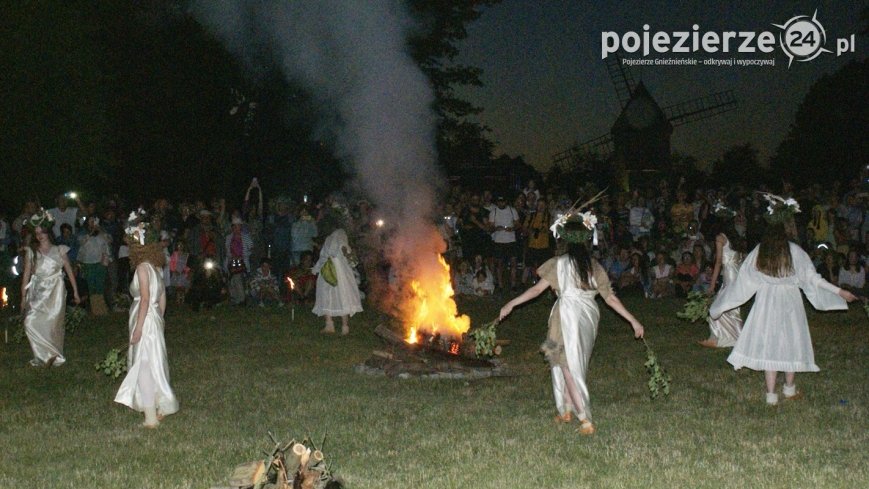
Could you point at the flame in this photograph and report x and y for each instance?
(292, 284)
(454, 348)
(4, 298)
(430, 308)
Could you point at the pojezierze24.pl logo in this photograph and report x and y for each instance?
(802, 38)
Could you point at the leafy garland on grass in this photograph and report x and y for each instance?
(697, 307)
(115, 362)
(659, 379)
(75, 316)
(484, 340)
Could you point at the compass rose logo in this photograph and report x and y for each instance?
(802, 38)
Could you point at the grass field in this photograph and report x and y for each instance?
(241, 373)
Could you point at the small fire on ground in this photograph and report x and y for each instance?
(431, 314)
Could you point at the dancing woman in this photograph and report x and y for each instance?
(729, 253)
(146, 387)
(577, 279)
(43, 293)
(776, 336)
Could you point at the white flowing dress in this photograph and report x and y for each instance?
(147, 360)
(776, 333)
(46, 305)
(725, 330)
(343, 298)
(573, 324)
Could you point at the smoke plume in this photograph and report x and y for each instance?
(352, 57)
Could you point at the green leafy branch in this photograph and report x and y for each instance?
(485, 339)
(659, 379)
(115, 362)
(697, 307)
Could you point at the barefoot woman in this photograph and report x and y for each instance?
(576, 278)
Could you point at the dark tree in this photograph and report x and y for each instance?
(442, 24)
(738, 165)
(827, 140)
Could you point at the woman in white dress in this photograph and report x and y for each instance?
(577, 279)
(342, 298)
(146, 387)
(43, 293)
(724, 331)
(776, 336)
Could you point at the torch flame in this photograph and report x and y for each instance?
(292, 284)
(431, 308)
(4, 298)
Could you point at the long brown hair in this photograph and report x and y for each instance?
(151, 253)
(774, 253)
(580, 257)
(33, 243)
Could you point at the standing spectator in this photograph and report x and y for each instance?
(179, 272)
(63, 214)
(537, 226)
(27, 211)
(237, 261)
(303, 232)
(93, 257)
(473, 229)
(280, 232)
(253, 213)
(504, 219)
(531, 189)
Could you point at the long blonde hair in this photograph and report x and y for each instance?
(774, 253)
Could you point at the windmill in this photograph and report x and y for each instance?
(640, 137)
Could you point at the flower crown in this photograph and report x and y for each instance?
(139, 231)
(42, 219)
(722, 211)
(588, 230)
(779, 210)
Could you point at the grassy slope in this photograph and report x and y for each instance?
(239, 374)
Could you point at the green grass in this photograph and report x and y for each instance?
(239, 374)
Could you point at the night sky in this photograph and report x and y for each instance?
(546, 86)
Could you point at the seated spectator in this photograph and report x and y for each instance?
(264, 285)
(662, 277)
(464, 279)
(304, 281)
(829, 268)
(704, 280)
(483, 284)
(852, 276)
(619, 265)
(686, 274)
(636, 275)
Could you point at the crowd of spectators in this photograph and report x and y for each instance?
(656, 241)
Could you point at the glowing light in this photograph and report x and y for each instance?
(209, 264)
(4, 298)
(411, 337)
(379, 223)
(292, 284)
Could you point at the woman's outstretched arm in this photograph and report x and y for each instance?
(618, 307)
(526, 296)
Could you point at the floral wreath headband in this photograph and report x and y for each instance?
(42, 219)
(138, 230)
(574, 214)
(722, 211)
(779, 210)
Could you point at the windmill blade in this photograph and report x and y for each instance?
(622, 78)
(601, 146)
(700, 108)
